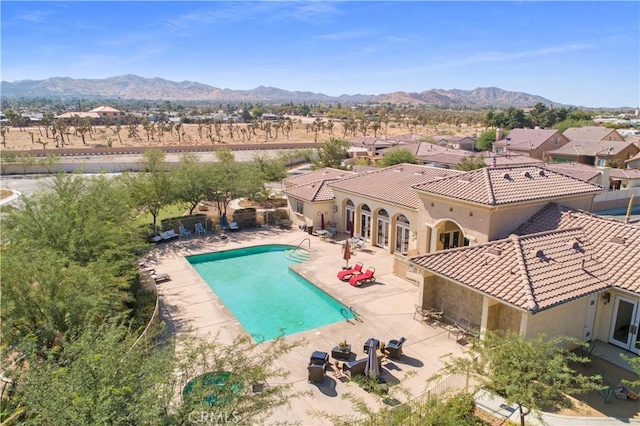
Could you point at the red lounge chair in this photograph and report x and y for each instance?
(348, 273)
(356, 280)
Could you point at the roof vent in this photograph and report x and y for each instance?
(495, 251)
(506, 176)
(420, 173)
(575, 245)
(618, 240)
(540, 254)
(541, 173)
(464, 179)
(527, 174)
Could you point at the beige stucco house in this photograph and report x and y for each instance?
(506, 248)
(531, 142)
(593, 133)
(595, 152)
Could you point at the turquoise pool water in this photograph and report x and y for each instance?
(264, 294)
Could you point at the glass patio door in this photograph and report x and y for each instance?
(383, 233)
(625, 324)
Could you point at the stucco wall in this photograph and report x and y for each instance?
(456, 301)
(567, 319)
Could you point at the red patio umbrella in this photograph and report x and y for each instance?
(350, 229)
(347, 253)
(322, 221)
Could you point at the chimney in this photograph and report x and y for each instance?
(498, 134)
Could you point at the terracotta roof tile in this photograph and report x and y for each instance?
(533, 272)
(526, 139)
(312, 191)
(580, 171)
(316, 175)
(616, 245)
(505, 185)
(587, 132)
(591, 147)
(392, 184)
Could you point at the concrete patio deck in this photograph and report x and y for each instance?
(385, 308)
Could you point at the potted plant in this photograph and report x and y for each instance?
(342, 345)
(381, 346)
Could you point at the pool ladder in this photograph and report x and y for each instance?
(290, 254)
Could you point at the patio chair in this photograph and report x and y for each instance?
(394, 348)
(367, 344)
(354, 368)
(366, 277)
(158, 278)
(169, 235)
(360, 244)
(316, 373)
(200, 230)
(233, 226)
(184, 232)
(345, 274)
(422, 313)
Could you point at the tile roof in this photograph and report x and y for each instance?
(78, 114)
(587, 132)
(505, 185)
(613, 243)
(316, 175)
(105, 108)
(392, 184)
(453, 157)
(580, 171)
(533, 272)
(591, 147)
(624, 173)
(526, 139)
(312, 191)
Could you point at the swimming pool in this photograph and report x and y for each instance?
(264, 294)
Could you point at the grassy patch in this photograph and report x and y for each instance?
(173, 210)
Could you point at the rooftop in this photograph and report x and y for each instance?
(505, 185)
(392, 184)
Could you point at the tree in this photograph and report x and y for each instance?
(152, 189)
(99, 379)
(533, 374)
(398, 156)
(331, 154)
(471, 162)
(190, 181)
(69, 255)
(485, 140)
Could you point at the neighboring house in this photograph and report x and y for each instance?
(562, 272)
(624, 178)
(580, 171)
(105, 114)
(592, 133)
(532, 142)
(371, 146)
(595, 152)
(634, 162)
(466, 143)
(452, 158)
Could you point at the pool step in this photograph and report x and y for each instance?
(298, 255)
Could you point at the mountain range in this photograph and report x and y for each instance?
(141, 88)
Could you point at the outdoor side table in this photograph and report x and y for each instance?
(341, 354)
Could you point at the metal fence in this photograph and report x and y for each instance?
(411, 412)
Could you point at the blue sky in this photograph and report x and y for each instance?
(578, 53)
